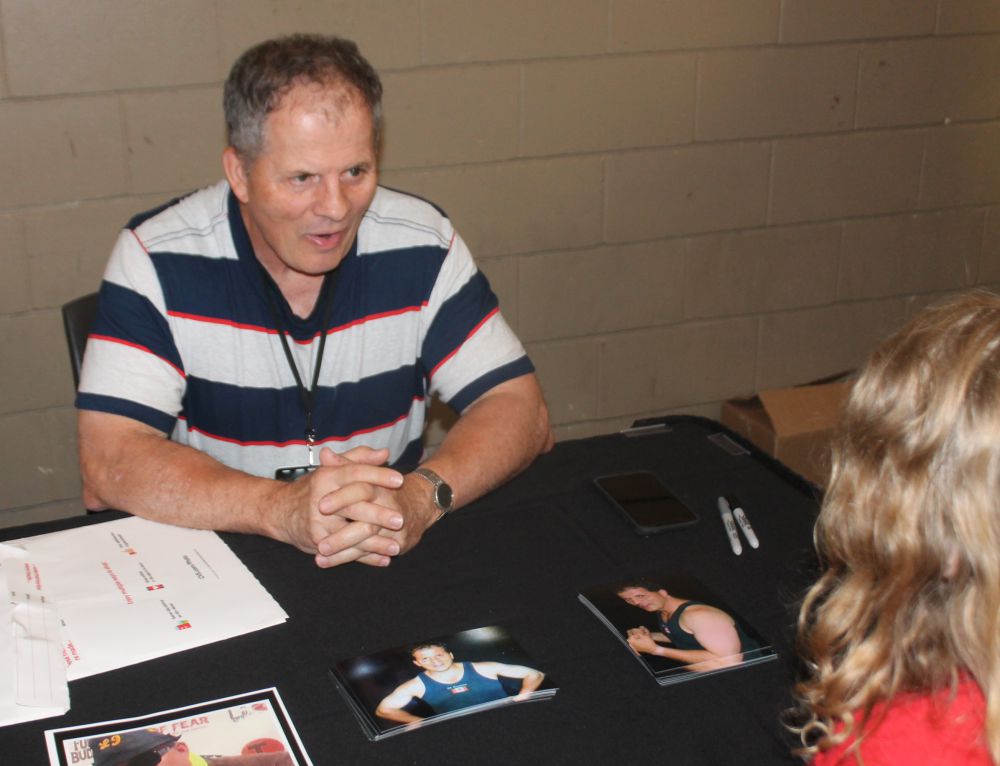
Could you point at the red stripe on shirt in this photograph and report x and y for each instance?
(474, 330)
(307, 341)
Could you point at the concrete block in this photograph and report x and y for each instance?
(457, 30)
(14, 295)
(57, 509)
(517, 207)
(809, 344)
(989, 263)
(969, 17)
(65, 46)
(820, 20)
(910, 254)
(962, 166)
(33, 380)
(669, 192)
(568, 371)
(758, 271)
(929, 81)
(600, 290)
(658, 369)
(175, 139)
(825, 178)
(68, 246)
(502, 273)
(387, 31)
(559, 103)
(451, 115)
(774, 91)
(38, 460)
(58, 150)
(4, 90)
(690, 24)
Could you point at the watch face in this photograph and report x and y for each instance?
(444, 496)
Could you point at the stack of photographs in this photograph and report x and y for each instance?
(442, 678)
(676, 627)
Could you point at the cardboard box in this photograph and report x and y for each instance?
(792, 424)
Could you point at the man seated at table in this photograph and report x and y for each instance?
(697, 635)
(445, 685)
(299, 308)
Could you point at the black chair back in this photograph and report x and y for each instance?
(78, 317)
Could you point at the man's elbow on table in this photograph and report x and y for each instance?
(541, 428)
(104, 442)
(548, 439)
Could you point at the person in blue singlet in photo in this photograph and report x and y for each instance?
(446, 685)
(700, 636)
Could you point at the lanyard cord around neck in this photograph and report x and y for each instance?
(306, 396)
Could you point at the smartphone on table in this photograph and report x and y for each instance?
(648, 505)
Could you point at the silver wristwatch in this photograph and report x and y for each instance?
(443, 496)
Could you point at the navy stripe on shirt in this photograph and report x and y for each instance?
(135, 322)
(275, 416)
(458, 317)
(481, 385)
(148, 415)
(214, 289)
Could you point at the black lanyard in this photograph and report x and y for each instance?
(306, 396)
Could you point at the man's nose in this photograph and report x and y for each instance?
(331, 201)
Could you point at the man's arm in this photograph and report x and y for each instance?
(253, 759)
(496, 437)
(391, 707)
(642, 641)
(531, 679)
(133, 467)
(715, 632)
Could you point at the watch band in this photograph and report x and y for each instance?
(443, 496)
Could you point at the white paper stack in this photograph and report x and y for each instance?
(130, 590)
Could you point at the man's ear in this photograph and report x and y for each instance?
(236, 171)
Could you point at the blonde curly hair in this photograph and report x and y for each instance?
(909, 532)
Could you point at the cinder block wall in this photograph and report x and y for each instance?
(678, 201)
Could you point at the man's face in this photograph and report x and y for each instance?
(176, 756)
(651, 601)
(435, 659)
(304, 195)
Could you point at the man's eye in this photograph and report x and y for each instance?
(356, 172)
(301, 178)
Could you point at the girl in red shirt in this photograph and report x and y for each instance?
(901, 633)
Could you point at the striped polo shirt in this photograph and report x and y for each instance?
(185, 342)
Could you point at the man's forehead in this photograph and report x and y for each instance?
(336, 96)
(435, 649)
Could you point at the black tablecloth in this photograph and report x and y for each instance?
(516, 558)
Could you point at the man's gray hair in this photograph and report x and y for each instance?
(266, 72)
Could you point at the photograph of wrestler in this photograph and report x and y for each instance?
(442, 678)
(247, 730)
(685, 630)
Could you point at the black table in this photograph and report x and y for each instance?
(515, 558)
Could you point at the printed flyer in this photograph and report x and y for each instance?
(130, 590)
